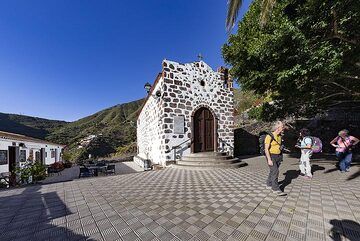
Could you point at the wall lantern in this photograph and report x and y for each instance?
(147, 87)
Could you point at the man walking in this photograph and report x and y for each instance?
(274, 157)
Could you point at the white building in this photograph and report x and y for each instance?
(189, 108)
(16, 149)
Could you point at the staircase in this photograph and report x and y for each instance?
(208, 160)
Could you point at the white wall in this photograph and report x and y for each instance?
(149, 129)
(5, 143)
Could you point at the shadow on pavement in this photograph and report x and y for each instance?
(31, 215)
(344, 229)
(289, 176)
(316, 167)
(293, 174)
(331, 170)
(353, 176)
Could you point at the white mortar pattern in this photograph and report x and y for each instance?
(182, 94)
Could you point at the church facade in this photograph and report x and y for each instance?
(189, 109)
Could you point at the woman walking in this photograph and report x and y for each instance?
(344, 143)
(305, 143)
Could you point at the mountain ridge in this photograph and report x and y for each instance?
(115, 127)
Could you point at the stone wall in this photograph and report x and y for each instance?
(184, 89)
(188, 87)
(246, 137)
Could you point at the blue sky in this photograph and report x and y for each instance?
(66, 59)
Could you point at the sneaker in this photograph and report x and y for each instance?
(342, 171)
(308, 177)
(347, 170)
(279, 193)
(268, 187)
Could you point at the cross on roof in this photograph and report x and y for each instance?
(200, 57)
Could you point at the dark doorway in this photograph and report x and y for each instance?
(203, 130)
(13, 156)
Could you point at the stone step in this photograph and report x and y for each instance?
(195, 162)
(207, 154)
(211, 167)
(208, 160)
(204, 158)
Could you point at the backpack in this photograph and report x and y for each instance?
(316, 144)
(262, 137)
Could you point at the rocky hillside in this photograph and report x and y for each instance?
(113, 127)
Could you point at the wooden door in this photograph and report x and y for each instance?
(13, 163)
(203, 130)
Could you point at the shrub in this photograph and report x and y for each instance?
(68, 164)
(57, 166)
(256, 113)
(24, 172)
(38, 171)
(31, 172)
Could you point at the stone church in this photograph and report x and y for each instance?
(187, 116)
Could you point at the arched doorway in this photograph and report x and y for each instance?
(203, 130)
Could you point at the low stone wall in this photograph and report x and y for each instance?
(247, 138)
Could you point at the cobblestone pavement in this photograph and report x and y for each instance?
(177, 204)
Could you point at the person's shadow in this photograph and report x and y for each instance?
(315, 168)
(293, 174)
(289, 176)
(355, 175)
(344, 228)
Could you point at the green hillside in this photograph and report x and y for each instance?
(29, 126)
(114, 127)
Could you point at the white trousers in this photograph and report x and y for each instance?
(305, 167)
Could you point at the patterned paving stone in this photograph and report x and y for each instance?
(187, 205)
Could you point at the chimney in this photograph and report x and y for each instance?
(226, 77)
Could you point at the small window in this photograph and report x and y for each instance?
(22, 156)
(202, 83)
(37, 156)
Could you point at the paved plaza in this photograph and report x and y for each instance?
(174, 204)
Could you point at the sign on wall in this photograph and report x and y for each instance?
(3, 157)
(179, 124)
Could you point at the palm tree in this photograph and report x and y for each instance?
(235, 5)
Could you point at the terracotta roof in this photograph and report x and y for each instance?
(18, 137)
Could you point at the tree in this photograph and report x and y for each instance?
(235, 5)
(244, 100)
(306, 58)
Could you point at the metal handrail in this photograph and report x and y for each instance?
(179, 145)
(174, 147)
(222, 141)
(225, 143)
